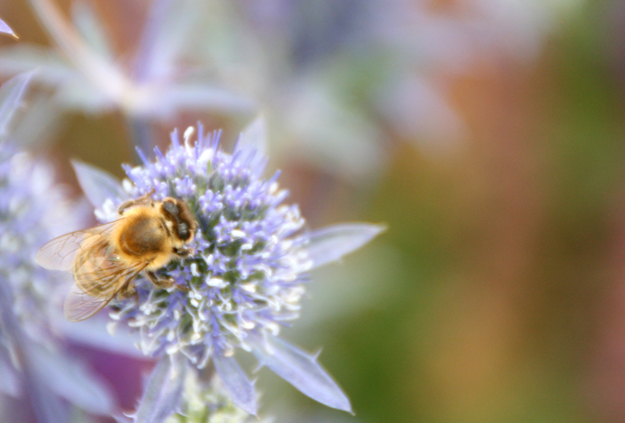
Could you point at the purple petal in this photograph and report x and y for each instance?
(240, 388)
(301, 370)
(9, 382)
(10, 98)
(71, 380)
(163, 393)
(333, 242)
(6, 28)
(97, 184)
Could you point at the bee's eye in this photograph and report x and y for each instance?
(171, 208)
(183, 230)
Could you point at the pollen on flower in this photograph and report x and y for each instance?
(247, 274)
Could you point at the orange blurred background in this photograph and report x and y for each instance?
(498, 292)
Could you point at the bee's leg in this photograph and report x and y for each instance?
(164, 282)
(131, 203)
(184, 251)
(160, 282)
(129, 291)
(125, 205)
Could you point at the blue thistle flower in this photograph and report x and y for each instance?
(248, 273)
(32, 210)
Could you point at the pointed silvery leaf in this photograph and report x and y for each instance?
(45, 405)
(195, 95)
(254, 140)
(333, 242)
(10, 97)
(52, 68)
(94, 332)
(421, 112)
(39, 126)
(97, 184)
(255, 136)
(9, 382)
(6, 28)
(163, 393)
(121, 418)
(236, 382)
(332, 135)
(72, 381)
(80, 416)
(89, 25)
(301, 370)
(165, 34)
(107, 76)
(81, 95)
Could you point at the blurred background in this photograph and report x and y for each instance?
(487, 134)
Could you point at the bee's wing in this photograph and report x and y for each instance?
(98, 277)
(59, 253)
(81, 306)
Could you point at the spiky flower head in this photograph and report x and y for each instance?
(246, 277)
(247, 272)
(32, 210)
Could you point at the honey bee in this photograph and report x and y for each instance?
(105, 259)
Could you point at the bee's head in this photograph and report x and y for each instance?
(179, 214)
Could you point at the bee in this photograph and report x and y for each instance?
(105, 259)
